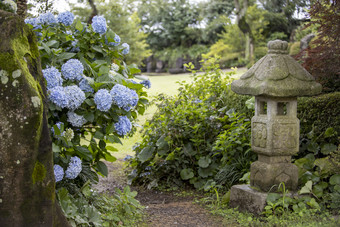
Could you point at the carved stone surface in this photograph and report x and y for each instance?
(284, 136)
(259, 135)
(267, 176)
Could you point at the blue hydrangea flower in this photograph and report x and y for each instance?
(127, 157)
(134, 98)
(84, 85)
(134, 82)
(52, 77)
(103, 100)
(58, 96)
(126, 48)
(123, 126)
(74, 168)
(66, 18)
(47, 18)
(146, 83)
(72, 69)
(116, 42)
(124, 97)
(75, 119)
(99, 24)
(58, 124)
(75, 96)
(74, 48)
(34, 22)
(58, 173)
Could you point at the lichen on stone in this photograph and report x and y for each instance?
(15, 83)
(4, 76)
(16, 73)
(36, 101)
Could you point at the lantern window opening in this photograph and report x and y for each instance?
(263, 108)
(282, 108)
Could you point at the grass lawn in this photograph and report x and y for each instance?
(160, 83)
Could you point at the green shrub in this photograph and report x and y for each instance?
(294, 48)
(319, 113)
(183, 141)
(88, 208)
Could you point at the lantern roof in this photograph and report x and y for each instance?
(277, 74)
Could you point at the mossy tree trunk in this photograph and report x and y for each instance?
(27, 185)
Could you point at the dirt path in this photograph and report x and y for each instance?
(162, 209)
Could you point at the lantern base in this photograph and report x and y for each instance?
(246, 198)
(268, 176)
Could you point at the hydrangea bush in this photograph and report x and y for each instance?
(92, 101)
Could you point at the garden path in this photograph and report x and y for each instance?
(162, 208)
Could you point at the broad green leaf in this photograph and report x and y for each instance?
(307, 188)
(55, 148)
(89, 117)
(102, 144)
(188, 150)
(186, 174)
(146, 153)
(329, 132)
(52, 43)
(111, 128)
(204, 161)
(110, 158)
(110, 148)
(98, 49)
(313, 147)
(79, 25)
(103, 70)
(66, 55)
(273, 197)
(328, 148)
(335, 179)
(114, 139)
(84, 152)
(102, 168)
(98, 135)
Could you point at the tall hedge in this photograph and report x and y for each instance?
(320, 112)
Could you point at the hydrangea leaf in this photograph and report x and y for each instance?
(84, 153)
(66, 56)
(79, 25)
(102, 168)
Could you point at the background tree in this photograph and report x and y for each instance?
(322, 57)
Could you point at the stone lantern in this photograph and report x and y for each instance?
(276, 81)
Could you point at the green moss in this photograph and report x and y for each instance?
(39, 172)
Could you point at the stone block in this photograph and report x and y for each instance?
(245, 198)
(268, 176)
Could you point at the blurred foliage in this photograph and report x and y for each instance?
(322, 57)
